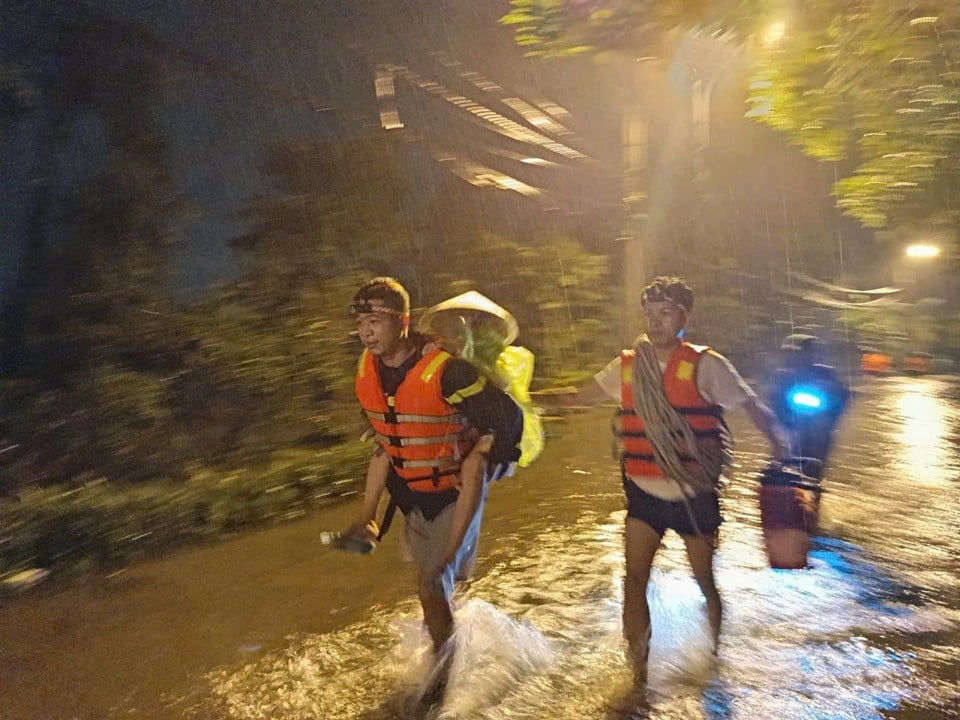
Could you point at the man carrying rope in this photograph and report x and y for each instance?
(674, 447)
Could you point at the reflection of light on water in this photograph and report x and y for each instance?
(796, 644)
(805, 638)
(892, 485)
(544, 641)
(923, 436)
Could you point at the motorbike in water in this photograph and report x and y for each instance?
(808, 400)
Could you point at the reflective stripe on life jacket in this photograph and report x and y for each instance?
(425, 437)
(680, 384)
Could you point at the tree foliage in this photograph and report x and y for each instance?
(874, 84)
(871, 85)
(337, 206)
(269, 370)
(98, 223)
(557, 28)
(346, 211)
(85, 345)
(559, 292)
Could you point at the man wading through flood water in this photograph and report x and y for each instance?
(443, 433)
(674, 446)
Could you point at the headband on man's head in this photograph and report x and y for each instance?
(668, 289)
(382, 295)
(373, 305)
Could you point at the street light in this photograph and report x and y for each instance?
(774, 33)
(922, 251)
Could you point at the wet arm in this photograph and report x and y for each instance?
(374, 486)
(765, 421)
(720, 382)
(588, 394)
(468, 500)
(602, 388)
(498, 418)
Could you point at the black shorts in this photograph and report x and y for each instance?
(662, 515)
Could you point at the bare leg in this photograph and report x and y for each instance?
(437, 615)
(700, 550)
(642, 543)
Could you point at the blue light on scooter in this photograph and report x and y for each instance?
(806, 400)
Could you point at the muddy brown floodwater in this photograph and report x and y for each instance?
(271, 624)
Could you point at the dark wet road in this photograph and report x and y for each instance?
(271, 625)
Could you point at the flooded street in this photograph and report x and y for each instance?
(271, 625)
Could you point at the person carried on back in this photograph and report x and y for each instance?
(443, 433)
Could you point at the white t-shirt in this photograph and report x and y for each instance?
(718, 382)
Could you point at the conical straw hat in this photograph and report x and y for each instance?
(439, 319)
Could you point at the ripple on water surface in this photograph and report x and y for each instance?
(829, 641)
(868, 630)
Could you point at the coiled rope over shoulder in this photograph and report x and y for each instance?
(669, 432)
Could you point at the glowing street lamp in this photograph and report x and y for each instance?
(774, 33)
(922, 251)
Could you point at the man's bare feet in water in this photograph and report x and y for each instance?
(432, 689)
(637, 656)
(626, 700)
(640, 674)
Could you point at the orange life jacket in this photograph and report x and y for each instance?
(680, 384)
(424, 435)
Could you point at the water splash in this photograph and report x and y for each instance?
(494, 654)
(866, 631)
